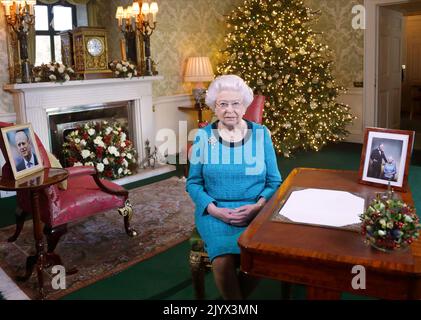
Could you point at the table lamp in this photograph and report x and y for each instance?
(198, 70)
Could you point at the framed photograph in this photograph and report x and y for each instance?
(385, 157)
(22, 150)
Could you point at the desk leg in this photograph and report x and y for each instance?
(314, 293)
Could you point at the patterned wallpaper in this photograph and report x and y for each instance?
(346, 43)
(197, 27)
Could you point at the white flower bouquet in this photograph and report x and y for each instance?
(123, 69)
(53, 72)
(103, 145)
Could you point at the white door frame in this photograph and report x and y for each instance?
(371, 55)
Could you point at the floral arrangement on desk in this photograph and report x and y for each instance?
(103, 145)
(389, 224)
(123, 69)
(53, 72)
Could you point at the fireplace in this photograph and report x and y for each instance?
(36, 103)
(62, 122)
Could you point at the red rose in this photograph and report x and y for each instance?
(107, 139)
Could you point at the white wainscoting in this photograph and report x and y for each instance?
(175, 122)
(6, 117)
(354, 99)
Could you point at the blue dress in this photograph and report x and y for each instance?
(229, 175)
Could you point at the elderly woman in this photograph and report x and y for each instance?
(233, 172)
(389, 169)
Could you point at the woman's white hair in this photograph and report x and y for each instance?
(229, 82)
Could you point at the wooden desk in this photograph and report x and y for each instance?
(35, 183)
(322, 257)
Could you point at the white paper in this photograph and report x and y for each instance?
(323, 207)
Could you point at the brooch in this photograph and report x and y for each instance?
(212, 141)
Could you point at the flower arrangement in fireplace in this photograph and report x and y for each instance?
(53, 72)
(103, 145)
(123, 69)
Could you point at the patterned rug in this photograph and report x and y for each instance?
(99, 247)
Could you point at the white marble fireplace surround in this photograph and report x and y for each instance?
(33, 101)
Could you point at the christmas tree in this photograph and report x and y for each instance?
(271, 45)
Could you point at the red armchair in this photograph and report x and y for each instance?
(86, 195)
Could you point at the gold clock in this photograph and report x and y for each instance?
(91, 52)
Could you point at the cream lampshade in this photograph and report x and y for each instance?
(198, 70)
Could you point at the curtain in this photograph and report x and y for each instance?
(92, 11)
(31, 46)
(91, 7)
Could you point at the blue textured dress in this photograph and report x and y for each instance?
(230, 175)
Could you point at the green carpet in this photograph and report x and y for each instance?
(167, 275)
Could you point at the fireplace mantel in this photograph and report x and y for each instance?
(33, 100)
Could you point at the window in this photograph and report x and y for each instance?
(50, 20)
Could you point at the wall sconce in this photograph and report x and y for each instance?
(143, 15)
(198, 70)
(20, 17)
(125, 24)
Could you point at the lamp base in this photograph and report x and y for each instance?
(198, 94)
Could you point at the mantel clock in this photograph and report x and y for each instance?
(90, 49)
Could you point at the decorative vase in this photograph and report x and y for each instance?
(386, 245)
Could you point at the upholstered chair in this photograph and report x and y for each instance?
(85, 195)
(199, 260)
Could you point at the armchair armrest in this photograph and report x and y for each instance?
(81, 171)
(91, 171)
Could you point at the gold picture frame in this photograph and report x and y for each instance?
(22, 150)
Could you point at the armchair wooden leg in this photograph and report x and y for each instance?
(127, 213)
(53, 236)
(20, 221)
(198, 274)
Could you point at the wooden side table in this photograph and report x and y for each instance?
(35, 184)
(197, 108)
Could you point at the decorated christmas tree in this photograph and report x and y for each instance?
(271, 45)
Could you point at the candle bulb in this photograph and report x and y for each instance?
(154, 10)
(119, 15)
(7, 4)
(31, 4)
(145, 10)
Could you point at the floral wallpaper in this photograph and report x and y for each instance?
(196, 27)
